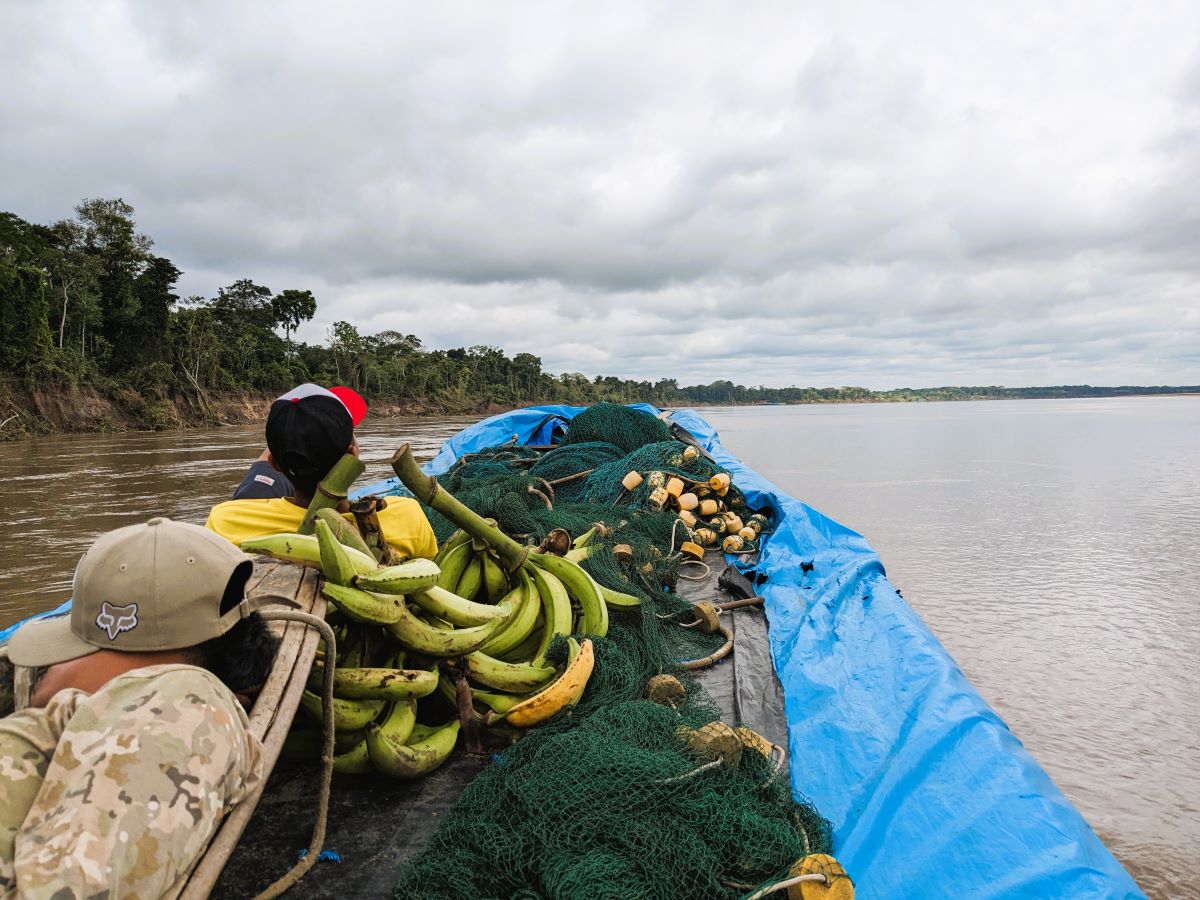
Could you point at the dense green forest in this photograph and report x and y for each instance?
(86, 301)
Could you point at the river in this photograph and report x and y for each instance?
(1051, 545)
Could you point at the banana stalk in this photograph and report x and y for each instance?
(332, 489)
(425, 489)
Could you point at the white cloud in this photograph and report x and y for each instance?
(876, 194)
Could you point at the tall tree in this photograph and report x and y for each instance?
(290, 308)
(122, 253)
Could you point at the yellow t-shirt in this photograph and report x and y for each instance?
(404, 525)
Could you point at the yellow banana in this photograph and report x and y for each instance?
(303, 549)
(581, 586)
(455, 609)
(525, 604)
(556, 608)
(363, 606)
(404, 578)
(514, 678)
(347, 714)
(564, 692)
(472, 577)
(335, 561)
(377, 684)
(424, 638)
(428, 749)
(453, 564)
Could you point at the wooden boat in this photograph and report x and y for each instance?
(928, 791)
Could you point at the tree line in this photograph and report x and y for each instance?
(87, 300)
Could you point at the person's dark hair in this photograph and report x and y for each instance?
(243, 656)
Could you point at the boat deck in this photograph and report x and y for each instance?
(375, 825)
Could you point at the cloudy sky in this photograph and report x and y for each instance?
(881, 194)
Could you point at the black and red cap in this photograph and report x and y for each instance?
(310, 428)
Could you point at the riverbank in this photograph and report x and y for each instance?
(91, 409)
(110, 407)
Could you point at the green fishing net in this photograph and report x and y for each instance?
(606, 800)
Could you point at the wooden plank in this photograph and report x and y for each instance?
(271, 719)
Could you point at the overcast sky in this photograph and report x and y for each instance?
(880, 194)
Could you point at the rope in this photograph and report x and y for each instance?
(686, 775)
(780, 885)
(289, 879)
(695, 562)
(717, 655)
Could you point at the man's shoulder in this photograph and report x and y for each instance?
(237, 520)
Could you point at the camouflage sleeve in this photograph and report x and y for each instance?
(27, 742)
(141, 778)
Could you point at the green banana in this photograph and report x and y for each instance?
(377, 684)
(454, 609)
(335, 561)
(581, 586)
(347, 714)
(424, 638)
(303, 549)
(513, 678)
(472, 578)
(428, 748)
(496, 702)
(307, 743)
(411, 575)
(459, 537)
(355, 761)
(453, 564)
(398, 724)
(524, 651)
(618, 601)
(525, 605)
(556, 608)
(346, 532)
(363, 606)
(495, 582)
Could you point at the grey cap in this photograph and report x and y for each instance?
(157, 586)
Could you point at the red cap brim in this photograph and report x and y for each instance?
(353, 402)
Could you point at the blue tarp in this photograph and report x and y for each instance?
(929, 793)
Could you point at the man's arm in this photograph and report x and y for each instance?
(142, 775)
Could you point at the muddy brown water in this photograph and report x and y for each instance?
(1053, 547)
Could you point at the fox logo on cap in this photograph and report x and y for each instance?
(115, 619)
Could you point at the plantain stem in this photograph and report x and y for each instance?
(332, 489)
(427, 490)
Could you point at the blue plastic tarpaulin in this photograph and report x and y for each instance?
(929, 793)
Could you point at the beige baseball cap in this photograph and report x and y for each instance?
(157, 586)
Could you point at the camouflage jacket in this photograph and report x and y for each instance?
(117, 794)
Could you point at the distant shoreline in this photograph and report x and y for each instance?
(74, 409)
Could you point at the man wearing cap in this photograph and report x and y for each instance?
(308, 430)
(134, 747)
